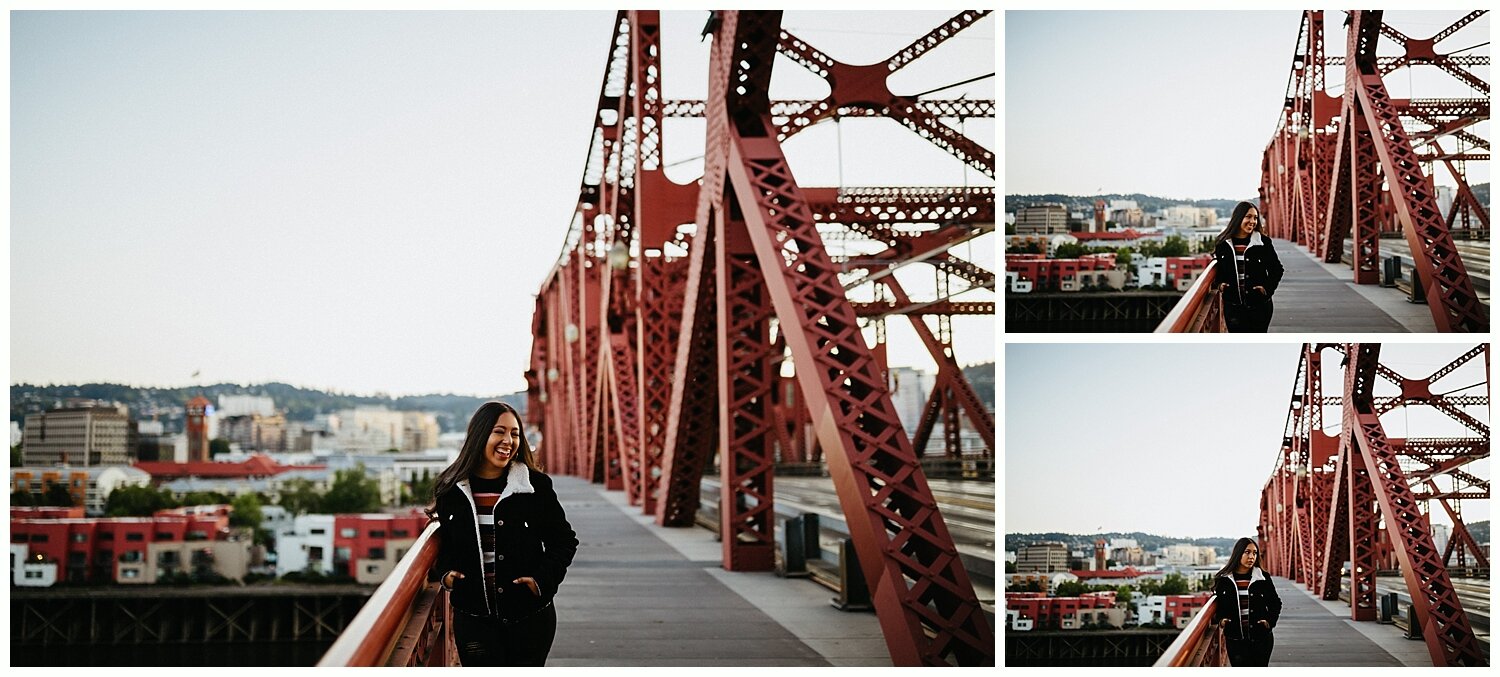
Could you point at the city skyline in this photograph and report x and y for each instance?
(1169, 103)
(366, 201)
(1116, 437)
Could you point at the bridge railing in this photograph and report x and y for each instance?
(1200, 310)
(405, 623)
(1201, 643)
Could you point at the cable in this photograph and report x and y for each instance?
(956, 84)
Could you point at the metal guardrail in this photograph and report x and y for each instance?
(1201, 643)
(1200, 310)
(405, 623)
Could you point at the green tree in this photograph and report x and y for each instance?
(136, 502)
(1071, 589)
(352, 491)
(57, 496)
(299, 496)
(1025, 248)
(217, 446)
(1174, 584)
(1010, 567)
(1149, 249)
(1174, 246)
(1123, 594)
(22, 499)
(421, 487)
(1149, 587)
(1122, 256)
(16, 458)
(245, 511)
(203, 498)
(1069, 250)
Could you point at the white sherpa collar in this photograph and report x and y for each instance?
(517, 481)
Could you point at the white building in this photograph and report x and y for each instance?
(26, 572)
(245, 405)
(369, 429)
(1014, 283)
(1189, 555)
(307, 544)
(909, 391)
(1188, 216)
(1014, 621)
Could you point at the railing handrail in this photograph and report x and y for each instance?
(1187, 648)
(1187, 309)
(369, 638)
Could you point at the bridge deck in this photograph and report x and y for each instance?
(1313, 633)
(638, 594)
(1317, 296)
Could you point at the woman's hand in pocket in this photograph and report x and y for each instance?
(530, 583)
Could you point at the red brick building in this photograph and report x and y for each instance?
(367, 546)
(1056, 613)
(1056, 274)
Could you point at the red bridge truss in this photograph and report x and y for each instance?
(1322, 174)
(1365, 498)
(662, 332)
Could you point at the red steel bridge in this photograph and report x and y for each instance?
(1359, 501)
(726, 318)
(1360, 163)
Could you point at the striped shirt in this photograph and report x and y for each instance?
(486, 494)
(1242, 581)
(1240, 245)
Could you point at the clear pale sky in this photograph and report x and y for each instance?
(1177, 104)
(1177, 440)
(367, 201)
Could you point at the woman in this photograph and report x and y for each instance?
(1248, 271)
(1246, 606)
(505, 544)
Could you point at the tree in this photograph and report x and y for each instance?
(299, 496)
(1123, 594)
(352, 491)
(1148, 249)
(1149, 587)
(1070, 250)
(217, 446)
(1010, 567)
(57, 496)
(203, 498)
(1122, 256)
(1071, 589)
(136, 502)
(1026, 248)
(1174, 246)
(245, 511)
(1032, 585)
(1174, 584)
(421, 487)
(16, 458)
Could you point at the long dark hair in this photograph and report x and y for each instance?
(1236, 217)
(471, 454)
(1238, 552)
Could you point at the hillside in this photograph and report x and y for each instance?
(1148, 542)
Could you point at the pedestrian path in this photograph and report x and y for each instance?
(1318, 297)
(640, 595)
(1309, 634)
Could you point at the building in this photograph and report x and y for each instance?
(1127, 214)
(199, 411)
(369, 429)
(257, 465)
(126, 550)
(420, 431)
(1090, 609)
(1047, 582)
(1043, 219)
(1188, 216)
(306, 545)
(87, 435)
(368, 546)
(909, 390)
(1116, 577)
(1174, 610)
(1033, 272)
(1177, 272)
(1042, 557)
(90, 487)
(246, 405)
(1189, 554)
(255, 432)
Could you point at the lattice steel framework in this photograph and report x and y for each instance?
(1322, 173)
(1329, 496)
(662, 332)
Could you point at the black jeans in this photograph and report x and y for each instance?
(1252, 652)
(487, 641)
(1252, 319)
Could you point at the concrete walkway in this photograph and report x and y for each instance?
(1310, 633)
(1322, 297)
(642, 595)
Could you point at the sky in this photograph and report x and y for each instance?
(1174, 103)
(368, 201)
(1177, 439)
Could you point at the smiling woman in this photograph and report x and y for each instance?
(505, 544)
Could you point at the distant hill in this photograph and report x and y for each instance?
(1147, 542)
(1480, 530)
(982, 377)
(1148, 203)
(299, 404)
(1151, 203)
